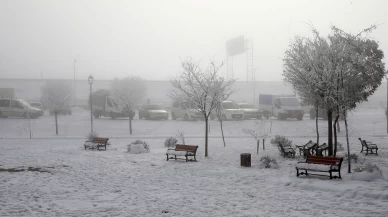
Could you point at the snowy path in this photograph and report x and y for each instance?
(115, 183)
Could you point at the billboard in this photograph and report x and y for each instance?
(235, 46)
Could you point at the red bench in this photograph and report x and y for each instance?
(320, 164)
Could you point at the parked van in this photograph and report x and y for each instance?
(18, 108)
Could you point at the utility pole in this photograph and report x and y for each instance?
(75, 96)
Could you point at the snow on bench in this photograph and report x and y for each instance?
(320, 164)
(182, 150)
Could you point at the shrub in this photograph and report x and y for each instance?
(281, 139)
(138, 147)
(368, 167)
(268, 162)
(91, 135)
(353, 157)
(367, 172)
(340, 146)
(170, 142)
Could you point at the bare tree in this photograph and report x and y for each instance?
(200, 89)
(56, 96)
(126, 93)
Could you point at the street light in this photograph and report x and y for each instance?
(90, 80)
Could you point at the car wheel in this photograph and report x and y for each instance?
(1, 115)
(211, 117)
(186, 117)
(223, 117)
(173, 117)
(300, 118)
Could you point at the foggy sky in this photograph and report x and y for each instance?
(108, 39)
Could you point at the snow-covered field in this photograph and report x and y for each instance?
(75, 182)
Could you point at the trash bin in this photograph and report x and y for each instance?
(245, 159)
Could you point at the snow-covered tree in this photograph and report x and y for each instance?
(126, 93)
(334, 73)
(56, 96)
(200, 89)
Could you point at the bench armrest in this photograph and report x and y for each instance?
(171, 149)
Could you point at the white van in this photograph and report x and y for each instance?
(18, 108)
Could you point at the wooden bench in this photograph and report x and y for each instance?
(98, 141)
(320, 149)
(307, 149)
(320, 164)
(369, 147)
(286, 150)
(182, 150)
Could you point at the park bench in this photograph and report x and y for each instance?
(321, 148)
(286, 150)
(97, 142)
(307, 149)
(369, 147)
(182, 150)
(320, 164)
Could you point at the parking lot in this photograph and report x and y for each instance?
(363, 121)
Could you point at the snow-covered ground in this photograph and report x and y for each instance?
(115, 183)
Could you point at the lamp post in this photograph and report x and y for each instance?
(90, 80)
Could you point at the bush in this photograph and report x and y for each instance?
(353, 157)
(170, 142)
(268, 162)
(367, 172)
(281, 139)
(340, 146)
(138, 147)
(92, 135)
(368, 167)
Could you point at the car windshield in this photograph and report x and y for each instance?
(230, 105)
(155, 107)
(24, 103)
(243, 106)
(289, 102)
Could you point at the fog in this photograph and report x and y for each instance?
(108, 39)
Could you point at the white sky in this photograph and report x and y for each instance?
(41, 39)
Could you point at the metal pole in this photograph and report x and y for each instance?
(91, 109)
(75, 97)
(386, 109)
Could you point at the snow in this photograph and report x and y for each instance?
(316, 167)
(80, 182)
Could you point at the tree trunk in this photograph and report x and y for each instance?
(206, 135)
(130, 124)
(263, 144)
(347, 143)
(56, 122)
(258, 145)
(316, 124)
(222, 132)
(335, 134)
(330, 132)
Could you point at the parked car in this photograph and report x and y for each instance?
(230, 111)
(250, 111)
(66, 110)
(153, 111)
(18, 108)
(180, 112)
(37, 105)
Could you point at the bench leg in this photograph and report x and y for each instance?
(175, 157)
(167, 156)
(186, 158)
(331, 177)
(195, 159)
(297, 172)
(339, 174)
